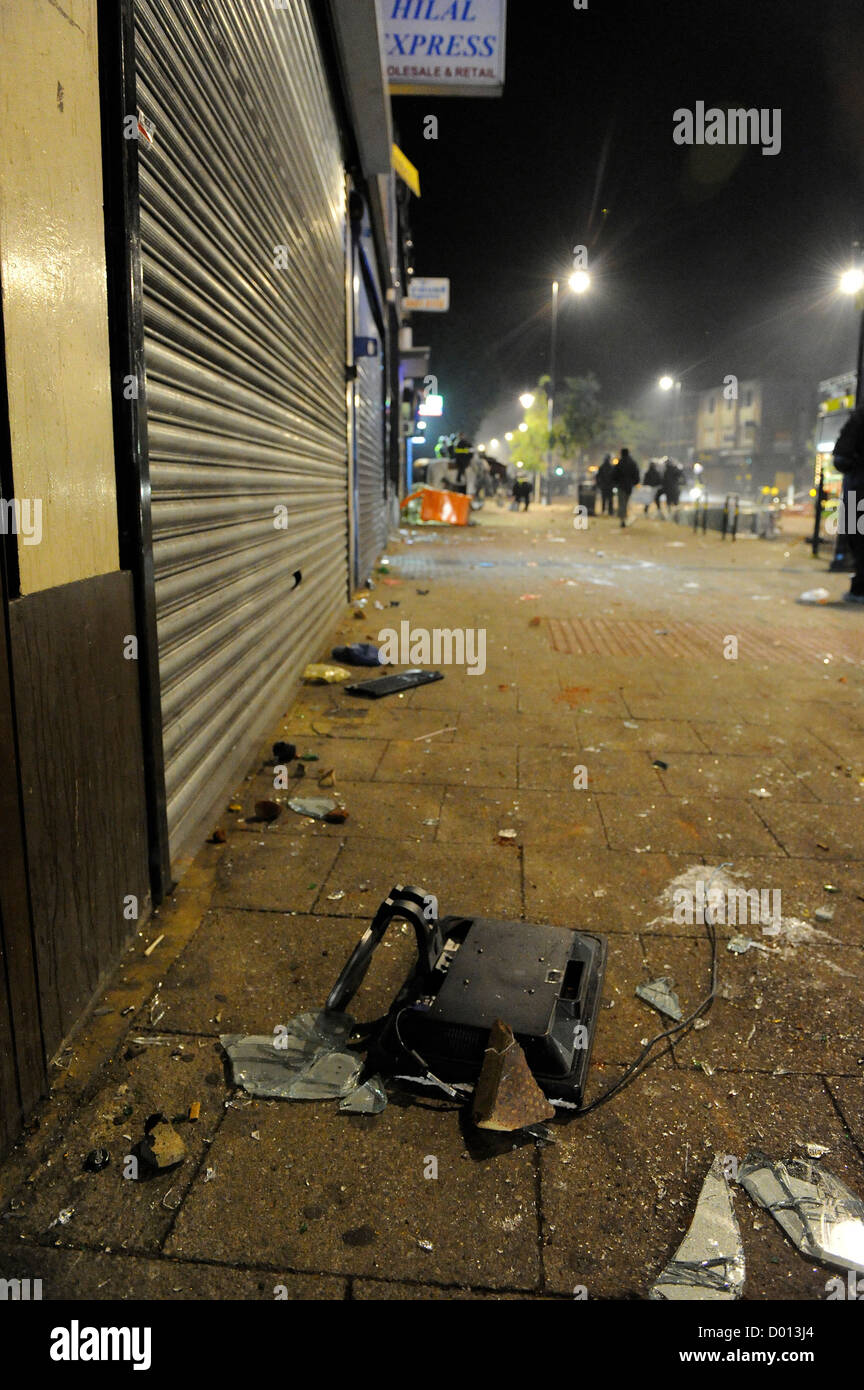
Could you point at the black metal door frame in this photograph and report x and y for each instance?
(126, 342)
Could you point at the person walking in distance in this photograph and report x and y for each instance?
(849, 460)
(606, 485)
(626, 478)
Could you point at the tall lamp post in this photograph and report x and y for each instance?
(668, 383)
(579, 282)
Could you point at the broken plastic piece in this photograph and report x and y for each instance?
(393, 685)
(368, 1099)
(162, 1146)
(301, 1060)
(740, 945)
(661, 996)
(358, 654)
(318, 807)
(709, 1262)
(321, 673)
(822, 1217)
(284, 752)
(507, 1096)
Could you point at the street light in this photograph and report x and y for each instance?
(580, 281)
(526, 400)
(494, 443)
(669, 383)
(509, 436)
(852, 281)
(523, 427)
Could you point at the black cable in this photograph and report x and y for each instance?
(640, 1065)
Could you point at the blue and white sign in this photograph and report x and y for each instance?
(444, 47)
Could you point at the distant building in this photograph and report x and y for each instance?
(755, 433)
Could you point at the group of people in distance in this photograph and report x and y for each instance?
(623, 476)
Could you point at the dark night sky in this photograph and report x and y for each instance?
(702, 266)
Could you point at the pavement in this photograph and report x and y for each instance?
(716, 721)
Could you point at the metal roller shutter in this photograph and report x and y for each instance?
(369, 435)
(246, 402)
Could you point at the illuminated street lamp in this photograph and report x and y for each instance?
(580, 281)
(494, 443)
(852, 281)
(526, 400)
(523, 427)
(670, 383)
(666, 383)
(509, 436)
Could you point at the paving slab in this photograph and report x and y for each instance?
(478, 880)
(77, 1275)
(107, 1210)
(832, 831)
(619, 1189)
(557, 768)
(347, 1195)
(699, 825)
(246, 972)
(267, 874)
(601, 891)
(791, 1007)
(461, 764)
(570, 821)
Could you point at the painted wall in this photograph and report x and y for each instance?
(52, 270)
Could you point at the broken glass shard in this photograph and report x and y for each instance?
(709, 1262)
(368, 1099)
(660, 994)
(303, 1059)
(819, 1213)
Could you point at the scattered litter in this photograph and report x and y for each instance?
(96, 1160)
(209, 1174)
(819, 1213)
(542, 1133)
(658, 762)
(661, 996)
(422, 738)
(267, 810)
(740, 945)
(824, 914)
(709, 1262)
(830, 888)
(337, 816)
(814, 596)
(309, 757)
(704, 1067)
(302, 1061)
(195, 1111)
(761, 792)
(506, 1096)
(218, 837)
(235, 806)
(320, 673)
(426, 1245)
(358, 654)
(337, 896)
(535, 622)
(298, 772)
(523, 598)
(284, 752)
(327, 778)
(63, 1217)
(630, 724)
(368, 1099)
(315, 806)
(813, 1150)
(393, 685)
(153, 944)
(507, 836)
(161, 1146)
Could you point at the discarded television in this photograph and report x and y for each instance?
(545, 982)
